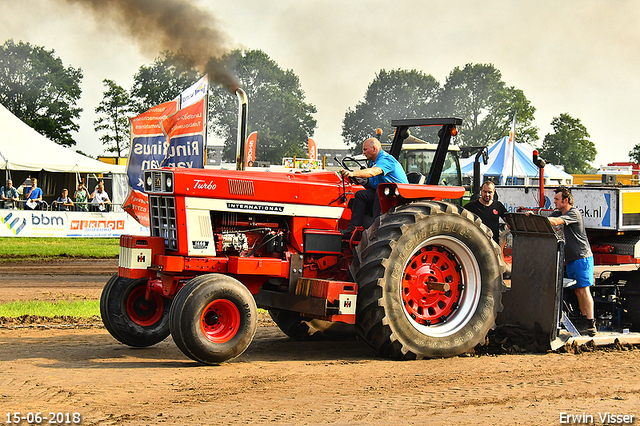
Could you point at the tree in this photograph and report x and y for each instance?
(37, 88)
(391, 95)
(634, 154)
(568, 145)
(113, 118)
(277, 110)
(162, 81)
(487, 105)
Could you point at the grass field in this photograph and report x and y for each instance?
(76, 308)
(51, 248)
(43, 249)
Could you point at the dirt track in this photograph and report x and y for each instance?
(280, 381)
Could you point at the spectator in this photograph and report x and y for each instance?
(81, 198)
(63, 203)
(9, 195)
(33, 194)
(100, 199)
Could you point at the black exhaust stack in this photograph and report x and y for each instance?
(243, 114)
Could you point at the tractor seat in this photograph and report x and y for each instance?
(416, 178)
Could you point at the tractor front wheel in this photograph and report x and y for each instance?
(430, 282)
(213, 318)
(129, 317)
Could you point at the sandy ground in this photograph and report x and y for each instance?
(66, 368)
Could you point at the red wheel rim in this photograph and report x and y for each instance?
(506, 253)
(220, 321)
(144, 312)
(431, 264)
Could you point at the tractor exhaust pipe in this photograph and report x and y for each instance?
(243, 114)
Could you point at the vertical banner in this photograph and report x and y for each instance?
(509, 153)
(250, 149)
(185, 131)
(147, 142)
(313, 150)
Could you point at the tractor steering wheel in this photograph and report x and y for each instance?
(343, 163)
(354, 180)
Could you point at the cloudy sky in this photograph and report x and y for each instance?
(581, 57)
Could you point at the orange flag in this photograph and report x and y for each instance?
(313, 150)
(250, 149)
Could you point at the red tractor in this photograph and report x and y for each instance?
(424, 280)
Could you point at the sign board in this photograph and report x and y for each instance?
(35, 223)
(599, 206)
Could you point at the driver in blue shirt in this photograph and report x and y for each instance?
(383, 168)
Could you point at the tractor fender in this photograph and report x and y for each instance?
(396, 194)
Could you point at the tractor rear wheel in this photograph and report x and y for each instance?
(213, 318)
(129, 317)
(300, 328)
(430, 282)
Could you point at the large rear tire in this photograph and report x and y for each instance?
(300, 328)
(398, 313)
(129, 317)
(213, 318)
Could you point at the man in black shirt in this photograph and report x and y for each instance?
(488, 210)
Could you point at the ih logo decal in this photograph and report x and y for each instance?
(141, 258)
(347, 304)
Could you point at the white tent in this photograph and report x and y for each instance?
(23, 148)
(523, 169)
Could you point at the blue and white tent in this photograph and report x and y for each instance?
(524, 171)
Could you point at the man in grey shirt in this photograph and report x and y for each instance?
(577, 253)
(8, 195)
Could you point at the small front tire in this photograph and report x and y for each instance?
(129, 317)
(213, 318)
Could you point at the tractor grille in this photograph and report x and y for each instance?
(162, 212)
(240, 187)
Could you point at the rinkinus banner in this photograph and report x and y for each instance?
(185, 132)
(150, 147)
(147, 142)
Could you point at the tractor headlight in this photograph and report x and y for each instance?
(168, 182)
(387, 192)
(149, 181)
